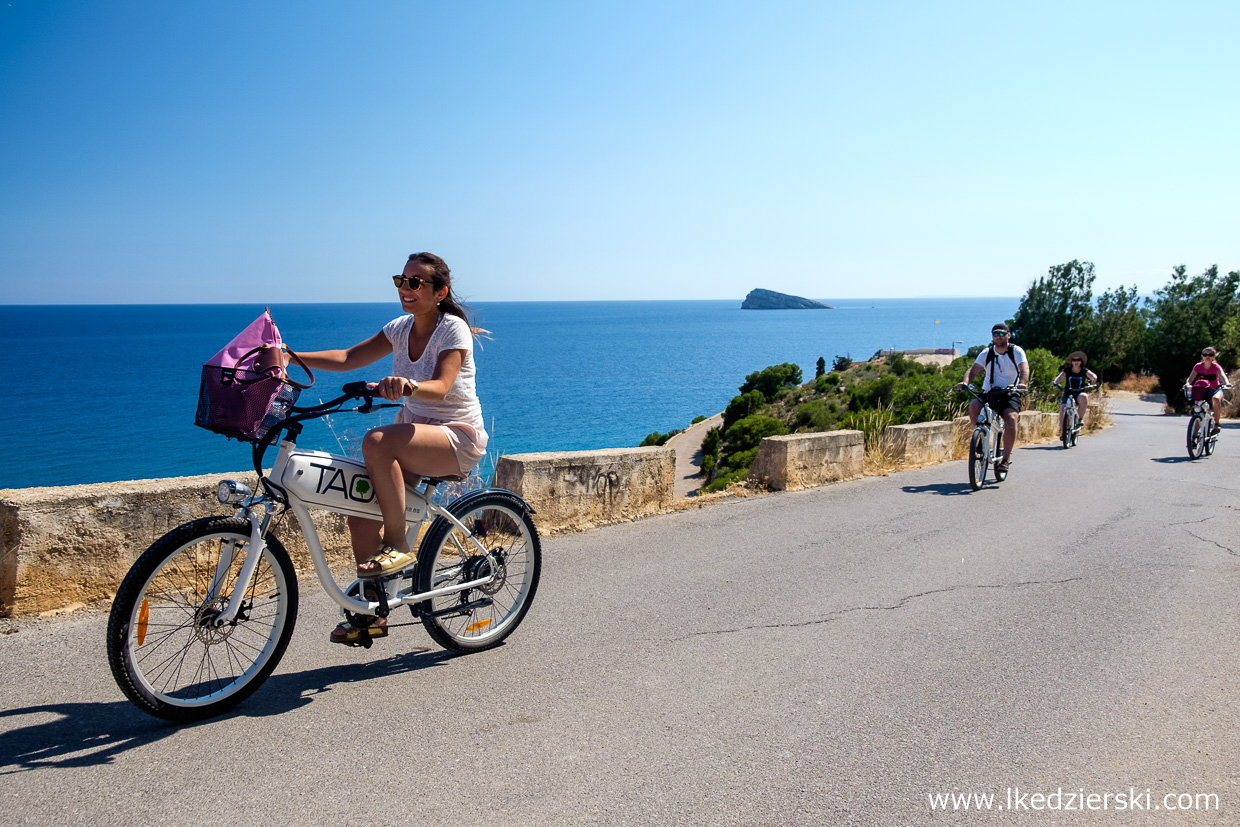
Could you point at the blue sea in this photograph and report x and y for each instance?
(105, 393)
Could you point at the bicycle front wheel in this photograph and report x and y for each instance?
(1196, 436)
(977, 460)
(1066, 428)
(479, 618)
(167, 654)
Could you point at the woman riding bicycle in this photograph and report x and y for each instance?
(439, 431)
(1072, 377)
(1211, 371)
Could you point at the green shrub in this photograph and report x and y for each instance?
(697, 419)
(872, 393)
(769, 380)
(817, 415)
(656, 439)
(748, 432)
(742, 406)
(724, 480)
(841, 363)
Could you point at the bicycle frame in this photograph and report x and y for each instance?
(294, 470)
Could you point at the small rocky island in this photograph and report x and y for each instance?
(759, 299)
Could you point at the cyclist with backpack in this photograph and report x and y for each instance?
(1003, 365)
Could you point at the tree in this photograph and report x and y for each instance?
(820, 368)
(1187, 314)
(768, 381)
(1056, 313)
(1114, 344)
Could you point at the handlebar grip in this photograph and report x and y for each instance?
(358, 389)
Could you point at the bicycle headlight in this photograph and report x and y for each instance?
(230, 492)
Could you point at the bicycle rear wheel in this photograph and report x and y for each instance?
(1196, 436)
(977, 460)
(479, 618)
(166, 654)
(1210, 440)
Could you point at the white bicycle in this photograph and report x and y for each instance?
(204, 615)
(986, 442)
(1070, 418)
(1202, 436)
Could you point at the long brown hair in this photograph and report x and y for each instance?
(441, 276)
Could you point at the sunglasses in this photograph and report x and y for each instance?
(1000, 335)
(414, 281)
(1076, 361)
(1207, 356)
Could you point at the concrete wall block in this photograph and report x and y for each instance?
(74, 544)
(920, 443)
(793, 461)
(581, 489)
(1032, 426)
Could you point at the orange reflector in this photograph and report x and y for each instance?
(144, 614)
(481, 624)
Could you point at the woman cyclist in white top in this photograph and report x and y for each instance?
(439, 430)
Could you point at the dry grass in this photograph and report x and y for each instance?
(1137, 383)
(880, 459)
(962, 431)
(1099, 414)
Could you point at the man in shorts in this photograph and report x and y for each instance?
(1003, 364)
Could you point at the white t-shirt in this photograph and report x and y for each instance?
(1006, 372)
(451, 333)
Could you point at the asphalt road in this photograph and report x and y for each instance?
(828, 657)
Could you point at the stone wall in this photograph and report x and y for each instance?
(921, 443)
(582, 489)
(793, 461)
(61, 547)
(1036, 426)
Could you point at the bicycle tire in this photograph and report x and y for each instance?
(1209, 441)
(165, 655)
(1065, 428)
(977, 460)
(1194, 438)
(501, 521)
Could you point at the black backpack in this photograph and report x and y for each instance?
(990, 360)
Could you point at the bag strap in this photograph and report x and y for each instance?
(990, 360)
(300, 364)
(265, 375)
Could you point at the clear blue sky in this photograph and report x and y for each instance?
(297, 151)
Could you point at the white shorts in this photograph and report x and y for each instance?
(468, 443)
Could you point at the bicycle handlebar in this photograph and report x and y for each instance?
(976, 394)
(292, 422)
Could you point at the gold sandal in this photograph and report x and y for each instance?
(352, 635)
(388, 560)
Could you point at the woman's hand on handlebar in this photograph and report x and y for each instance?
(393, 388)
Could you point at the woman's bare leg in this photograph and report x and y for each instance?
(389, 452)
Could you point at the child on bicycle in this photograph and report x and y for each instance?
(1072, 377)
(438, 433)
(1212, 372)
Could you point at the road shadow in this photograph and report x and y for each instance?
(93, 734)
(943, 489)
(1169, 460)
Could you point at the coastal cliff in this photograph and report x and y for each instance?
(759, 299)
